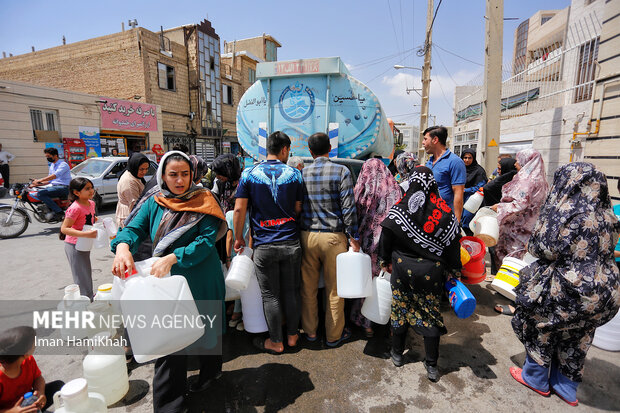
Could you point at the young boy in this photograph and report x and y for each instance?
(20, 374)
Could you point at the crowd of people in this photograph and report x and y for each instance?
(409, 218)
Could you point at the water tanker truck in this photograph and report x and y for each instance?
(301, 97)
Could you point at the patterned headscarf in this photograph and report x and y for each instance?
(199, 168)
(423, 220)
(376, 191)
(227, 165)
(183, 211)
(528, 188)
(578, 188)
(405, 162)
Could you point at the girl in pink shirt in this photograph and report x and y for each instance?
(80, 213)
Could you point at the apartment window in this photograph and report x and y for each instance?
(44, 119)
(252, 75)
(227, 91)
(545, 19)
(588, 53)
(166, 76)
(521, 47)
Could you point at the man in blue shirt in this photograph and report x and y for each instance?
(60, 177)
(274, 193)
(449, 170)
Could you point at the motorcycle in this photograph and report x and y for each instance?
(14, 219)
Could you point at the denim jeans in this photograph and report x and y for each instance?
(278, 267)
(55, 191)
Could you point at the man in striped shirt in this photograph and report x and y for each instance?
(328, 223)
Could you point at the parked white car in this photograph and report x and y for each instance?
(104, 173)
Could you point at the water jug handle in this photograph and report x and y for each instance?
(56, 399)
(97, 396)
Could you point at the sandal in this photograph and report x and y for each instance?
(504, 309)
(346, 334)
(516, 374)
(259, 343)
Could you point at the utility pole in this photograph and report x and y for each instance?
(426, 78)
(492, 90)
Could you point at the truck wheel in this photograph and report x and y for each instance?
(16, 225)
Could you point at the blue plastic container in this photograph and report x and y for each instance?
(461, 299)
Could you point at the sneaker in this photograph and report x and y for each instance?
(432, 372)
(397, 359)
(240, 326)
(233, 322)
(50, 215)
(197, 386)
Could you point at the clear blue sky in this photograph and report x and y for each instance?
(361, 32)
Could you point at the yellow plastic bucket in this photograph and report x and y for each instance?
(507, 278)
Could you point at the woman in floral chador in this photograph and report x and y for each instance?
(574, 286)
(419, 245)
(376, 191)
(521, 201)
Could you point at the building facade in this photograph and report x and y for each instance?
(264, 47)
(135, 65)
(238, 74)
(205, 87)
(33, 117)
(544, 103)
(410, 135)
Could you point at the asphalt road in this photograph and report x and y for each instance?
(357, 377)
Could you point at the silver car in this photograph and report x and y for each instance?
(104, 173)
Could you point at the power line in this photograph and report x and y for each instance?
(422, 51)
(444, 66)
(460, 57)
(443, 94)
(387, 70)
(378, 60)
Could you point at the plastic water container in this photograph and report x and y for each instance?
(110, 227)
(231, 293)
(29, 400)
(241, 270)
(354, 274)
(607, 336)
(252, 303)
(102, 319)
(473, 202)
(378, 306)
(73, 302)
(104, 292)
(102, 240)
(83, 243)
(106, 374)
(74, 397)
(484, 225)
(507, 277)
(461, 299)
(474, 271)
(174, 299)
(529, 258)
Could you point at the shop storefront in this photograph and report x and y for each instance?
(127, 126)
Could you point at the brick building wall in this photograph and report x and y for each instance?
(120, 65)
(174, 103)
(238, 77)
(103, 66)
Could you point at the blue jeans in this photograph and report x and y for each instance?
(55, 191)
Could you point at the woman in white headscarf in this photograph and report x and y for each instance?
(184, 221)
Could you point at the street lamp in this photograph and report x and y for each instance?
(397, 67)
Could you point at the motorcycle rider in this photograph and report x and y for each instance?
(60, 177)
